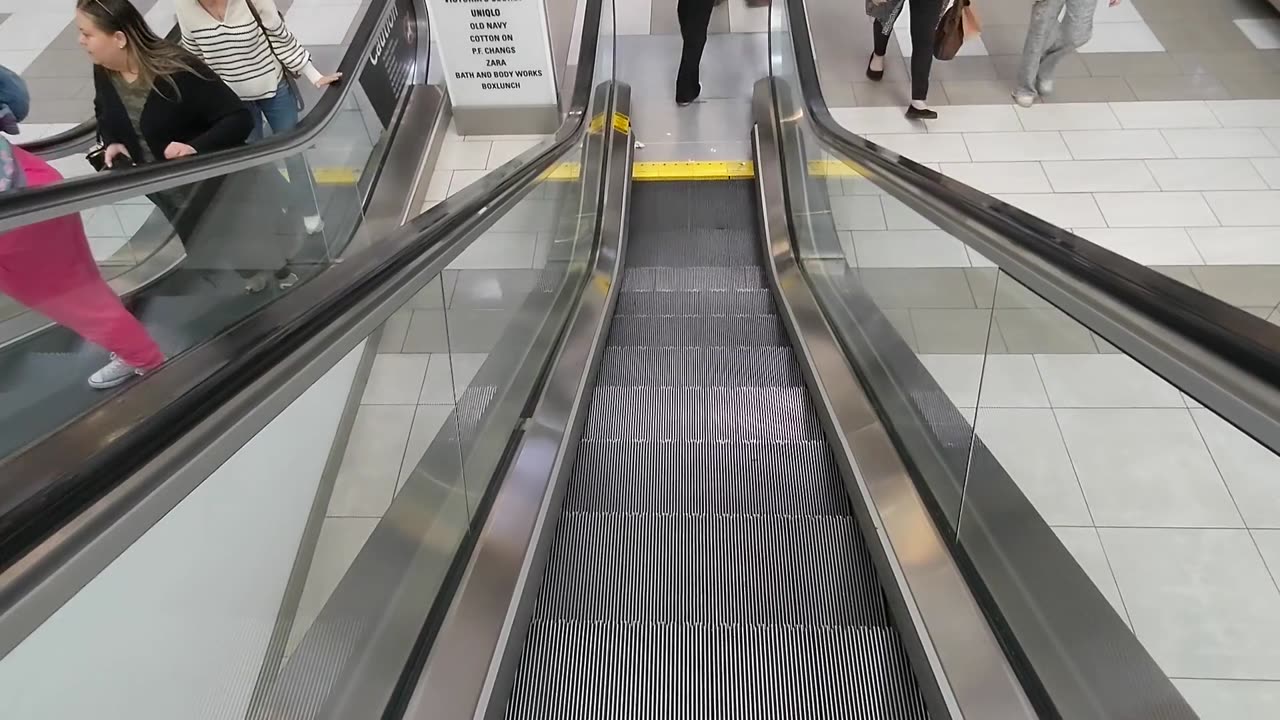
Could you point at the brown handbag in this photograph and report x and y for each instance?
(957, 23)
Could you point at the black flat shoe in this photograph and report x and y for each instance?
(683, 100)
(876, 75)
(915, 113)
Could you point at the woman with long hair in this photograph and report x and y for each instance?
(48, 266)
(157, 102)
(248, 45)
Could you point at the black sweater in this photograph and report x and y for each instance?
(204, 114)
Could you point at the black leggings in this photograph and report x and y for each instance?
(695, 16)
(924, 23)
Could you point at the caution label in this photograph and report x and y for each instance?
(622, 123)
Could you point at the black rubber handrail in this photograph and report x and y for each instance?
(51, 481)
(33, 205)
(1214, 339)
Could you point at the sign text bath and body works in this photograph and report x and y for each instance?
(496, 53)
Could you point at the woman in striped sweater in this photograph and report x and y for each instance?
(247, 44)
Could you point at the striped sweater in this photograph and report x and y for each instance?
(238, 50)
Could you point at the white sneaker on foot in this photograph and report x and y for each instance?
(1024, 98)
(116, 372)
(257, 283)
(314, 224)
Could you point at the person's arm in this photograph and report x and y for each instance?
(293, 56)
(209, 97)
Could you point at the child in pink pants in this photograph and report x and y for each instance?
(48, 267)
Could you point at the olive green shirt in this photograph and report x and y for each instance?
(134, 96)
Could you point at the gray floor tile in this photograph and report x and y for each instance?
(901, 321)
(1178, 87)
(1182, 273)
(917, 288)
(1091, 89)
(1086, 547)
(371, 465)
(1253, 86)
(427, 333)
(1042, 330)
(1181, 36)
(965, 68)
(493, 289)
(436, 293)
(990, 286)
(395, 379)
(394, 331)
(476, 331)
(1005, 39)
(1007, 67)
(1029, 447)
(1125, 64)
(427, 423)
(703, 121)
(1268, 542)
(895, 93)
(340, 540)
(437, 386)
(1252, 472)
(1231, 699)
(1242, 286)
(1201, 600)
(977, 92)
(1145, 468)
(1225, 64)
(952, 331)
(839, 93)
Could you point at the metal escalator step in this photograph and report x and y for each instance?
(700, 367)
(724, 205)
(786, 478)
(724, 414)
(724, 672)
(709, 247)
(697, 331)
(757, 569)
(667, 279)
(689, 302)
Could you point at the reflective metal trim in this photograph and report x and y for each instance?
(962, 659)
(469, 670)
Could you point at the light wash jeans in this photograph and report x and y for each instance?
(281, 112)
(1049, 41)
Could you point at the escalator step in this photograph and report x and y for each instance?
(700, 367)
(666, 279)
(707, 302)
(683, 414)
(713, 671)
(755, 569)
(791, 478)
(693, 248)
(695, 331)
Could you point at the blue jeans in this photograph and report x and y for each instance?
(281, 113)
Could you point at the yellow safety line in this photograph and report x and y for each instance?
(831, 168)
(693, 170)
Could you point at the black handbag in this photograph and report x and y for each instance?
(290, 77)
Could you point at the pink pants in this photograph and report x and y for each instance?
(49, 268)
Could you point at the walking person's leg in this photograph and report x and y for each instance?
(695, 17)
(1042, 35)
(1075, 30)
(924, 26)
(880, 46)
(281, 112)
(49, 268)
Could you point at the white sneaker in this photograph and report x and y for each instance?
(116, 372)
(1044, 86)
(314, 224)
(257, 283)
(1023, 98)
(287, 281)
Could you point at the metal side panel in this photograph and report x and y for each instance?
(959, 660)
(470, 668)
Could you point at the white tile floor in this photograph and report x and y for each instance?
(1186, 183)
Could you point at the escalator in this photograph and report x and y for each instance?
(706, 555)
(693, 469)
(185, 299)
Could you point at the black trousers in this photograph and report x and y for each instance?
(695, 16)
(924, 23)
